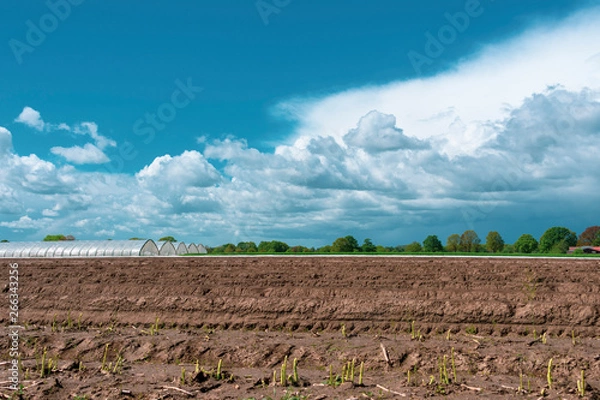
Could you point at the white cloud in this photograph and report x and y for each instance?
(88, 154)
(377, 132)
(456, 107)
(34, 175)
(9, 200)
(31, 118)
(5, 141)
(105, 233)
(201, 139)
(189, 169)
(91, 129)
(49, 213)
(25, 222)
(533, 154)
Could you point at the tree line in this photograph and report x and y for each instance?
(554, 240)
(557, 240)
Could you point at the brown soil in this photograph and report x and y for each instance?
(252, 312)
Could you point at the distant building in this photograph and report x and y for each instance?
(586, 249)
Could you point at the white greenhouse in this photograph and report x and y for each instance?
(167, 249)
(80, 248)
(181, 249)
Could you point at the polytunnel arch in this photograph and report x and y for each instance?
(149, 248)
(167, 249)
(192, 249)
(201, 249)
(181, 249)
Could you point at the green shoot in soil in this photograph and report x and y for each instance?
(47, 364)
(334, 380)
(581, 385)
(154, 328)
(118, 368)
(361, 373)
(520, 388)
(284, 372)
(219, 376)
(69, 320)
(103, 367)
(444, 379)
(549, 375)
(295, 378)
(453, 365)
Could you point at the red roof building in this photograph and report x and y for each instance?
(586, 249)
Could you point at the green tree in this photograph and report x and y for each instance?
(526, 244)
(469, 241)
(246, 247)
(54, 238)
(324, 249)
(368, 246)
(432, 244)
(217, 250)
(264, 247)
(353, 242)
(274, 246)
(229, 248)
(494, 242)
(589, 237)
(561, 247)
(298, 249)
(342, 245)
(167, 239)
(557, 239)
(509, 249)
(414, 247)
(279, 247)
(453, 242)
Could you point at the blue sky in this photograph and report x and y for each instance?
(298, 120)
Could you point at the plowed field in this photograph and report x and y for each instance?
(496, 322)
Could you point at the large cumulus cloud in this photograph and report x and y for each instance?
(377, 132)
